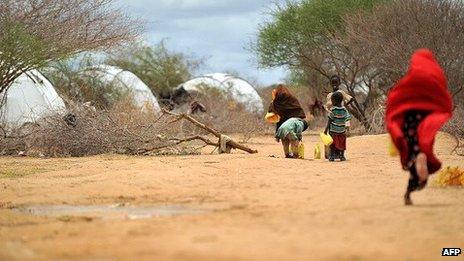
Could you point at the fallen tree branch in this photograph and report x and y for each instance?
(176, 141)
(205, 140)
(231, 143)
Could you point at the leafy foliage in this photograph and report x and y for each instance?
(367, 43)
(304, 24)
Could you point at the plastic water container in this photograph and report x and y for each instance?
(392, 150)
(301, 151)
(317, 151)
(326, 139)
(272, 117)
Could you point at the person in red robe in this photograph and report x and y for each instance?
(417, 107)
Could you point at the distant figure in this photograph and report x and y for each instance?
(196, 107)
(172, 99)
(317, 108)
(336, 126)
(417, 107)
(289, 118)
(335, 83)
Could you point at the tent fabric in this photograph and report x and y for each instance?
(424, 88)
(242, 91)
(142, 95)
(29, 98)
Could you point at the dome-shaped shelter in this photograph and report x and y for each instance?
(126, 80)
(239, 89)
(29, 98)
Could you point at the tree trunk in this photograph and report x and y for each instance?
(359, 113)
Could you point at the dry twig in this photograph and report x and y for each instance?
(233, 144)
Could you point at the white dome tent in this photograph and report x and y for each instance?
(240, 90)
(120, 78)
(29, 98)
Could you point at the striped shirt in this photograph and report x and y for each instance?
(338, 117)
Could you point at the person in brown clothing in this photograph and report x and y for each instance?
(291, 119)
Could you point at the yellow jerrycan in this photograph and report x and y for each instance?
(392, 150)
(317, 151)
(272, 117)
(326, 139)
(301, 151)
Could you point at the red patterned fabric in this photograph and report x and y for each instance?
(424, 88)
(339, 141)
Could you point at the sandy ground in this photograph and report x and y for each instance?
(244, 207)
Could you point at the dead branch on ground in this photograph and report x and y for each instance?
(231, 143)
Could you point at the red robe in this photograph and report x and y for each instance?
(424, 88)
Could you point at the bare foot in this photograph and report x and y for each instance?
(407, 200)
(421, 167)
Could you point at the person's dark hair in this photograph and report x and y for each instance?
(305, 125)
(337, 99)
(335, 80)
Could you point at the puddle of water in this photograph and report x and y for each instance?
(109, 211)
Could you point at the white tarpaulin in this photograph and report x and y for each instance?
(29, 98)
(239, 89)
(126, 80)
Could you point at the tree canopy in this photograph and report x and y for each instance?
(367, 43)
(35, 32)
(297, 26)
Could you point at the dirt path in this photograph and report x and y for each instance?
(233, 207)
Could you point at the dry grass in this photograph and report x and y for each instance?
(455, 127)
(123, 129)
(13, 167)
(19, 171)
(126, 129)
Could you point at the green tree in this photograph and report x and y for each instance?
(306, 36)
(296, 27)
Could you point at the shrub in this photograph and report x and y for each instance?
(226, 115)
(123, 129)
(73, 84)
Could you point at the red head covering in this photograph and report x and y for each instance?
(424, 88)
